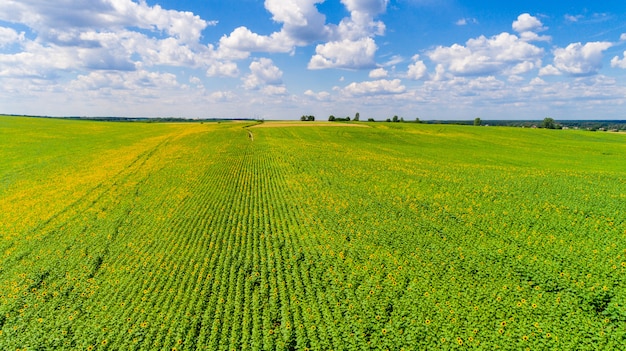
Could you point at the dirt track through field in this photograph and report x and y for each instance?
(306, 124)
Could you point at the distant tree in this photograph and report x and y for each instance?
(371, 120)
(331, 118)
(402, 119)
(417, 120)
(548, 123)
(357, 117)
(310, 118)
(303, 118)
(388, 120)
(477, 121)
(348, 119)
(395, 119)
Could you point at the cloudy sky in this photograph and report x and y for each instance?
(280, 59)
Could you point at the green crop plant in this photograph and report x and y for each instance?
(135, 236)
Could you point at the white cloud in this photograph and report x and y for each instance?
(377, 87)
(321, 96)
(302, 24)
(101, 35)
(528, 26)
(522, 67)
(578, 60)
(417, 70)
(9, 36)
(394, 60)
(440, 73)
(532, 36)
(369, 7)
(61, 23)
(359, 25)
(344, 54)
(515, 79)
(274, 90)
(140, 82)
(301, 20)
(573, 18)
(38, 61)
(378, 73)
(222, 96)
(223, 69)
(549, 70)
(466, 21)
(537, 81)
(353, 46)
(622, 37)
(527, 23)
(195, 81)
(616, 62)
(243, 40)
(483, 55)
(263, 73)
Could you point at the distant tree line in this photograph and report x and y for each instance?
(357, 118)
(332, 118)
(546, 123)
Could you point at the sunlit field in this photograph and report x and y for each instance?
(227, 236)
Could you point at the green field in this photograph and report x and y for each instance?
(133, 236)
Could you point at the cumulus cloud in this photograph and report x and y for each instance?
(82, 35)
(537, 82)
(378, 73)
(528, 26)
(274, 90)
(244, 40)
(344, 54)
(38, 61)
(580, 60)
(619, 63)
(263, 72)
(223, 69)
(302, 24)
(482, 56)
(352, 45)
(368, 7)
(301, 20)
(527, 23)
(61, 23)
(140, 82)
(361, 22)
(549, 70)
(10, 36)
(320, 96)
(417, 70)
(376, 87)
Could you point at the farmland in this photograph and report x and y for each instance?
(132, 236)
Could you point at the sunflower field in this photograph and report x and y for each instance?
(363, 236)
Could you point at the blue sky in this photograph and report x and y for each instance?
(280, 59)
